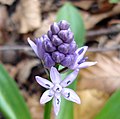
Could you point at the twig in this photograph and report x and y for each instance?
(27, 48)
(110, 30)
(104, 49)
(15, 47)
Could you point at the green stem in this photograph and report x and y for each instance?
(47, 110)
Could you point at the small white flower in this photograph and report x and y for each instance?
(57, 88)
(80, 60)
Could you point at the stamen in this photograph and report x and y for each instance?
(68, 82)
(47, 85)
(50, 95)
(68, 95)
(57, 89)
(58, 101)
(81, 51)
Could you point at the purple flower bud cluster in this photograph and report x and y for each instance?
(59, 45)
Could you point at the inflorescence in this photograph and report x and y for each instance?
(59, 47)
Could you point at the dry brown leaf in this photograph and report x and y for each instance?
(7, 2)
(106, 43)
(91, 20)
(114, 42)
(45, 25)
(83, 4)
(3, 16)
(24, 69)
(103, 76)
(92, 101)
(30, 9)
(47, 5)
(11, 69)
(36, 109)
(28, 15)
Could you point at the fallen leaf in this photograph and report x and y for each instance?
(35, 108)
(92, 101)
(24, 69)
(83, 4)
(45, 25)
(7, 2)
(11, 69)
(105, 75)
(27, 15)
(91, 20)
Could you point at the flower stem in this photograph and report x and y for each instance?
(47, 110)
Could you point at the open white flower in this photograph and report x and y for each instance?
(57, 88)
(80, 61)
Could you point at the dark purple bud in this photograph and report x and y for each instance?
(49, 33)
(72, 47)
(55, 28)
(57, 56)
(45, 38)
(64, 25)
(66, 36)
(63, 48)
(70, 37)
(68, 60)
(48, 61)
(47, 45)
(56, 40)
(37, 40)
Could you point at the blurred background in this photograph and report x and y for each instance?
(20, 19)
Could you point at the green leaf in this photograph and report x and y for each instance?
(111, 110)
(114, 1)
(72, 15)
(12, 104)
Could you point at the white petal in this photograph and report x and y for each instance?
(70, 78)
(33, 45)
(46, 96)
(70, 95)
(80, 53)
(56, 104)
(55, 75)
(44, 82)
(84, 49)
(86, 64)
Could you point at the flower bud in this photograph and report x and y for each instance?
(56, 41)
(40, 50)
(45, 37)
(48, 61)
(70, 37)
(47, 45)
(49, 33)
(68, 60)
(72, 47)
(66, 36)
(55, 28)
(63, 48)
(64, 25)
(57, 56)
